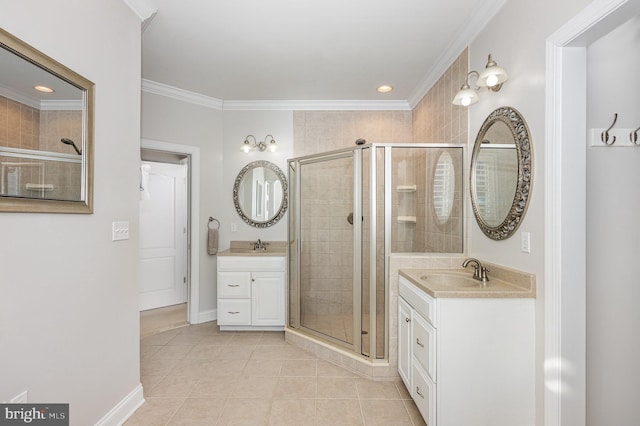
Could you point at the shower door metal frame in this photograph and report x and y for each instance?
(356, 154)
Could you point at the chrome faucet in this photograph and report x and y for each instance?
(259, 245)
(479, 271)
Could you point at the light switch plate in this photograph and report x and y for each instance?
(525, 242)
(120, 231)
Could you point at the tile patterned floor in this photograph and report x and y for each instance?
(162, 319)
(198, 375)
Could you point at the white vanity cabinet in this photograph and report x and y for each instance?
(467, 361)
(251, 292)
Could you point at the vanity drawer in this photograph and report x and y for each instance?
(420, 301)
(234, 311)
(234, 284)
(424, 395)
(424, 345)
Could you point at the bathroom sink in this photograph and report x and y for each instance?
(460, 283)
(247, 248)
(451, 280)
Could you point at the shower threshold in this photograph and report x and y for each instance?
(376, 369)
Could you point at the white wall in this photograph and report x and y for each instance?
(169, 120)
(613, 232)
(69, 326)
(516, 38)
(237, 125)
(219, 136)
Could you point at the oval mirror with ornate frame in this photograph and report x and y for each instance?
(260, 194)
(46, 141)
(501, 173)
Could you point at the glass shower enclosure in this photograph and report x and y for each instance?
(349, 210)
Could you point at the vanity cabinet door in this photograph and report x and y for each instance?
(267, 298)
(404, 342)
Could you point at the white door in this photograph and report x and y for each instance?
(163, 236)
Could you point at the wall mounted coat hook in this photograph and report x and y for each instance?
(633, 136)
(604, 136)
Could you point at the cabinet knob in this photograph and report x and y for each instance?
(233, 312)
(419, 343)
(419, 392)
(407, 319)
(253, 280)
(233, 285)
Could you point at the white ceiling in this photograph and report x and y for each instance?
(308, 50)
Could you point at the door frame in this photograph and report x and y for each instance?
(193, 204)
(565, 201)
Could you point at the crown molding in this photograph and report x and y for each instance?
(19, 97)
(43, 105)
(161, 89)
(144, 9)
(476, 23)
(61, 105)
(317, 105)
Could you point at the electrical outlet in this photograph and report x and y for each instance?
(525, 242)
(20, 398)
(234, 227)
(119, 231)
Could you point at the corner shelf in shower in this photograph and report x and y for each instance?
(406, 219)
(406, 188)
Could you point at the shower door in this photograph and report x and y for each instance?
(329, 302)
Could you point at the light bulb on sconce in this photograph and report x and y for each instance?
(492, 78)
(269, 142)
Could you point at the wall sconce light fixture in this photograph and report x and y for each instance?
(269, 142)
(492, 78)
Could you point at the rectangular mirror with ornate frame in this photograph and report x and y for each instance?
(46, 133)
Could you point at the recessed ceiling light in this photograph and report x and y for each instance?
(44, 89)
(384, 89)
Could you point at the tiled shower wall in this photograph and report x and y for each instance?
(437, 120)
(321, 131)
(24, 127)
(434, 120)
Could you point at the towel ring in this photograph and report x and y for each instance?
(213, 220)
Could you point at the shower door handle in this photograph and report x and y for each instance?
(350, 218)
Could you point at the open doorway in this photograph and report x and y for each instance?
(574, 343)
(160, 151)
(164, 240)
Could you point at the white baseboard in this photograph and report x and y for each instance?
(124, 409)
(206, 316)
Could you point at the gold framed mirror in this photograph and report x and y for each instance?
(46, 139)
(501, 173)
(260, 194)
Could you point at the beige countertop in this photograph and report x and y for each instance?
(245, 248)
(458, 283)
